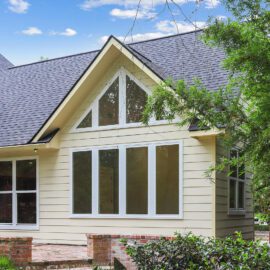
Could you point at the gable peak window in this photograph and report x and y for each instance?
(121, 103)
(87, 121)
(136, 99)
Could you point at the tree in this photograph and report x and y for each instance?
(242, 107)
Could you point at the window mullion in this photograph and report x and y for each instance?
(14, 194)
(95, 189)
(237, 193)
(151, 180)
(122, 98)
(95, 113)
(122, 180)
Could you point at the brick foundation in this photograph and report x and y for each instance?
(19, 250)
(104, 248)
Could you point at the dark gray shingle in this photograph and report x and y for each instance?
(29, 94)
(4, 63)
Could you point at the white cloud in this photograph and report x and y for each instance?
(18, 6)
(131, 13)
(171, 27)
(145, 4)
(32, 31)
(90, 4)
(163, 28)
(69, 32)
(211, 3)
(135, 38)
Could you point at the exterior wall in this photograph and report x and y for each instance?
(56, 225)
(19, 250)
(227, 224)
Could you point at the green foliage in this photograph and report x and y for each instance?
(192, 252)
(262, 217)
(242, 106)
(6, 264)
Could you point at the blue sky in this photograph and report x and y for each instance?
(30, 29)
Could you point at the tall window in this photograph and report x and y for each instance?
(236, 184)
(137, 180)
(128, 180)
(82, 182)
(18, 192)
(121, 103)
(108, 181)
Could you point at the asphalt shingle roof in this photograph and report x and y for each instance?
(4, 63)
(29, 94)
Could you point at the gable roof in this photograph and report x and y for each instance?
(29, 94)
(4, 63)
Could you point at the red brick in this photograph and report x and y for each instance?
(19, 250)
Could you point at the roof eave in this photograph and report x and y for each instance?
(206, 133)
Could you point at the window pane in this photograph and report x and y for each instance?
(5, 176)
(5, 208)
(233, 169)
(167, 179)
(87, 121)
(26, 174)
(232, 194)
(136, 101)
(108, 105)
(108, 182)
(82, 182)
(242, 169)
(26, 208)
(137, 180)
(241, 192)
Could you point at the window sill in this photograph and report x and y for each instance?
(19, 227)
(157, 217)
(123, 126)
(236, 212)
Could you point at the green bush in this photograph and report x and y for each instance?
(191, 252)
(6, 264)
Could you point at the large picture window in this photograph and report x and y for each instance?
(236, 184)
(18, 193)
(138, 180)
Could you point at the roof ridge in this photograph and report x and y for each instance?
(94, 51)
(169, 36)
(52, 59)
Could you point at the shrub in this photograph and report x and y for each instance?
(192, 252)
(6, 264)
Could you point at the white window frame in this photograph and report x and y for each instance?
(14, 225)
(122, 181)
(121, 74)
(236, 210)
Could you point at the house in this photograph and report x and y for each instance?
(75, 159)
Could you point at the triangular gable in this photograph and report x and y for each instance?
(110, 51)
(128, 103)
